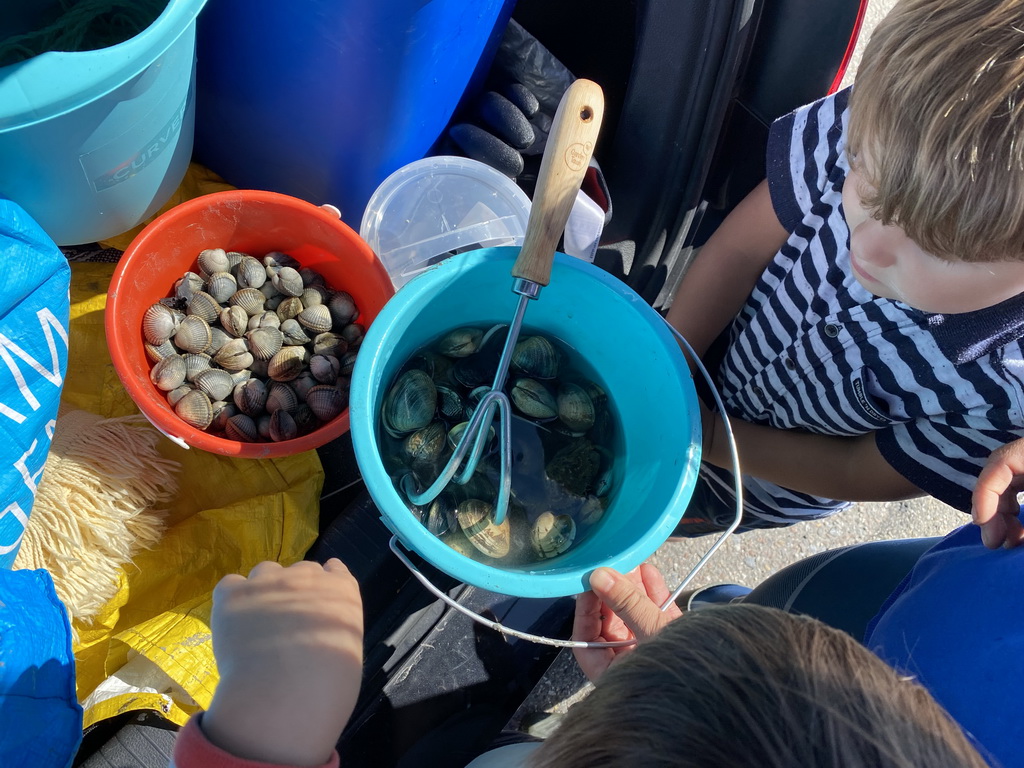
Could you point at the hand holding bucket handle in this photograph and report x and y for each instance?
(566, 158)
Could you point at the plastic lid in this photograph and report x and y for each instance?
(438, 206)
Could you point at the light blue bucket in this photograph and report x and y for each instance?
(94, 142)
(619, 335)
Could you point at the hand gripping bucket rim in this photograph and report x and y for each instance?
(584, 307)
(170, 244)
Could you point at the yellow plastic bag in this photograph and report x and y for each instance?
(150, 648)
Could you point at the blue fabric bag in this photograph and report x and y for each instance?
(34, 312)
(40, 718)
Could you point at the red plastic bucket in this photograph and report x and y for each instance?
(253, 222)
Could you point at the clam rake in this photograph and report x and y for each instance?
(570, 144)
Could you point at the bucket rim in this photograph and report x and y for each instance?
(571, 580)
(22, 83)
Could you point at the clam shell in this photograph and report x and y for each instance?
(342, 308)
(169, 373)
(535, 357)
(410, 403)
(251, 397)
(461, 342)
(317, 319)
(264, 343)
(242, 428)
(427, 444)
(250, 273)
(283, 426)
(326, 402)
(324, 368)
(476, 518)
(575, 408)
(294, 334)
(249, 299)
(288, 281)
(193, 335)
(533, 399)
(195, 409)
(221, 286)
(196, 363)
(157, 352)
(216, 383)
(552, 535)
(457, 541)
(287, 364)
(592, 510)
(213, 260)
(234, 321)
(159, 323)
(234, 356)
(289, 309)
(441, 516)
(281, 397)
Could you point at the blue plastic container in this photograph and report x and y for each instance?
(324, 99)
(624, 340)
(93, 142)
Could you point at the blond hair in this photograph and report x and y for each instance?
(938, 113)
(746, 685)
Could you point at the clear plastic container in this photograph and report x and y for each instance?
(439, 206)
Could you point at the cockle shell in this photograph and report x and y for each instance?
(294, 334)
(353, 333)
(317, 319)
(329, 344)
(311, 278)
(342, 308)
(193, 335)
(326, 402)
(250, 273)
(313, 295)
(278, 259)
(551, 535)
(249, 299)
(234, 356)
(287, 364)
(213, 260)
(221, 286)
(288, 281)
(186, 285)
(264, 319)
(216, 383)
(251, 397)
(157, 352)
(217, 340)
(222, 411)
(158, 324)
(301, 385)
(281, 397)
(242, 428)
(234, 321)
(195, 408)
(264, 343)
(324, 368)
(169, 373)
(289, 308)
(177, 393)
(196, 363)
(476, 518)
(283, 426)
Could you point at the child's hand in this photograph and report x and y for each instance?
(289, 644)
(620, 607)
(994, 505)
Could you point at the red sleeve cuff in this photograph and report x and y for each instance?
(193, 750)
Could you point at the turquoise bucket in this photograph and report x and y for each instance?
(619, 335)
(94, 142)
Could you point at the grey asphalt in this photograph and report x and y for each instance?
(751, 557)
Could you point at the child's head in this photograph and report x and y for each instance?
(744, 685)
(936, 142)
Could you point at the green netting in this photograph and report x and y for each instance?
(82, 25)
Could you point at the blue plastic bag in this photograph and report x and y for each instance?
(33, 360)
(40, 718)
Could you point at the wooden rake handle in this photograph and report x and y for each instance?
(566, 158)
